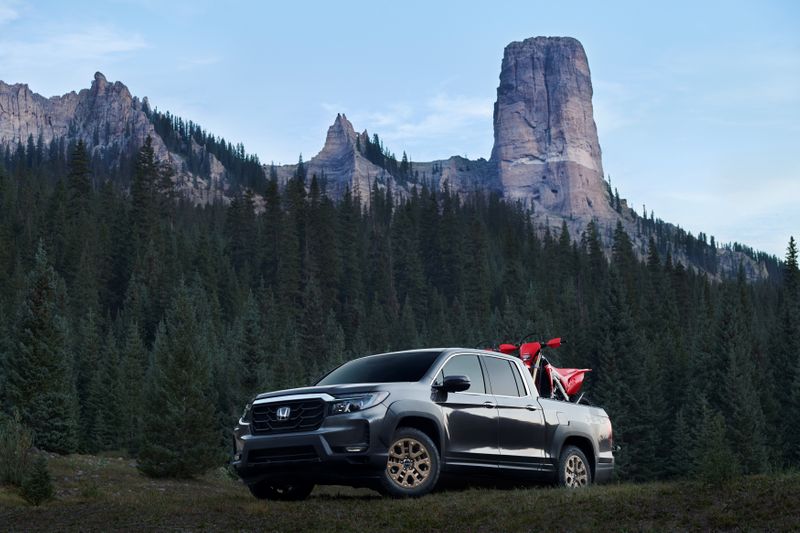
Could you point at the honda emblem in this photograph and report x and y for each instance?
(283, 413)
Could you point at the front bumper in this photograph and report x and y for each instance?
(346, 448)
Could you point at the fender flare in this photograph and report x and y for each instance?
(574, 429)
(412, 408)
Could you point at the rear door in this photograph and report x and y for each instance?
(521, 427)
(471, 416)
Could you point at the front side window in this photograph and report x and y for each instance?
(465, 365)
(501, 376)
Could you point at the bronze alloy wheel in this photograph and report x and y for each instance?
(575, 472)
(409, 463)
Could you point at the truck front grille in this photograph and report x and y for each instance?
(304, 415)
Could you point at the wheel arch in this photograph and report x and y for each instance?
(424, 424)
(584, 444)
(407, 414)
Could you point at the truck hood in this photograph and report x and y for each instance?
(334, 390)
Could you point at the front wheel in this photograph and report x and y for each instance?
(412, 468)
(290, 492)
(574, 470)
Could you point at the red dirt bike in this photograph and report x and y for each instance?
(558, 383)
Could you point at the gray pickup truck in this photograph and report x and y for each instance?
(397, 422)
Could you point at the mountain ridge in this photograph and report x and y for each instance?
(546, 152)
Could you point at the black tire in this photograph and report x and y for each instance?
(269, 490)
(412, 468)
(574, 470)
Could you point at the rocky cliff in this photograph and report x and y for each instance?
(546, 152)
(102, 115)
(545, 139)
(109, 120)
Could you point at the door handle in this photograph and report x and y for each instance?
(531, 407)
(489, 405)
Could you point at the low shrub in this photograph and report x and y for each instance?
(37, 487)
(16, 442)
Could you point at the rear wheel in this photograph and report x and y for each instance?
(574, 470)
(269, 490)
(412, 468)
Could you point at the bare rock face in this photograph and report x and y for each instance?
(109, 120)
(342, 165)
(102, 115)
(545, 139)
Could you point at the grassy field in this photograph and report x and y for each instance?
(102, 493)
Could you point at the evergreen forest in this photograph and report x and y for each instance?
(133, 321)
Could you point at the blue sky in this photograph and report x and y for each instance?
(697, 103)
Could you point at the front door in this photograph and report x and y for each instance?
(470, 416)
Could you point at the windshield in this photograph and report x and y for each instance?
(388, 368)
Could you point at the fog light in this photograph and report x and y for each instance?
(237, 457)
(355, 449)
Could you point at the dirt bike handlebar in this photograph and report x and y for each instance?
(552, 343)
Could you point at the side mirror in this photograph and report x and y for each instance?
(454, 384)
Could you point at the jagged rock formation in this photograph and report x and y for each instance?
(341, 164)
(545, 139)
(109, 120)
(103, 115)
(546, 152)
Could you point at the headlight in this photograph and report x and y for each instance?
(246, 414)
(357, 403)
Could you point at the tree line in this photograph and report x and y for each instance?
(132, 320)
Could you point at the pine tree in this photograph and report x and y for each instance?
(133, 367)
(107, 392)
(270, 235)
(323, 236)
(144, 212)
(40, 380)
(334, 343)
(87, 364)
(681, 443)
(792, 439)
(240, 226)
(37, 487)
(78, 217)
(179, 430)
(406, 335)
(716, 462)
(738, 399)
(312, 322)
(253, 370)
(786, 369)
(79, 185)
(477, 285)
(351, 292)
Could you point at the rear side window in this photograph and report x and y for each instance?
(465, 365)
(501, 376)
